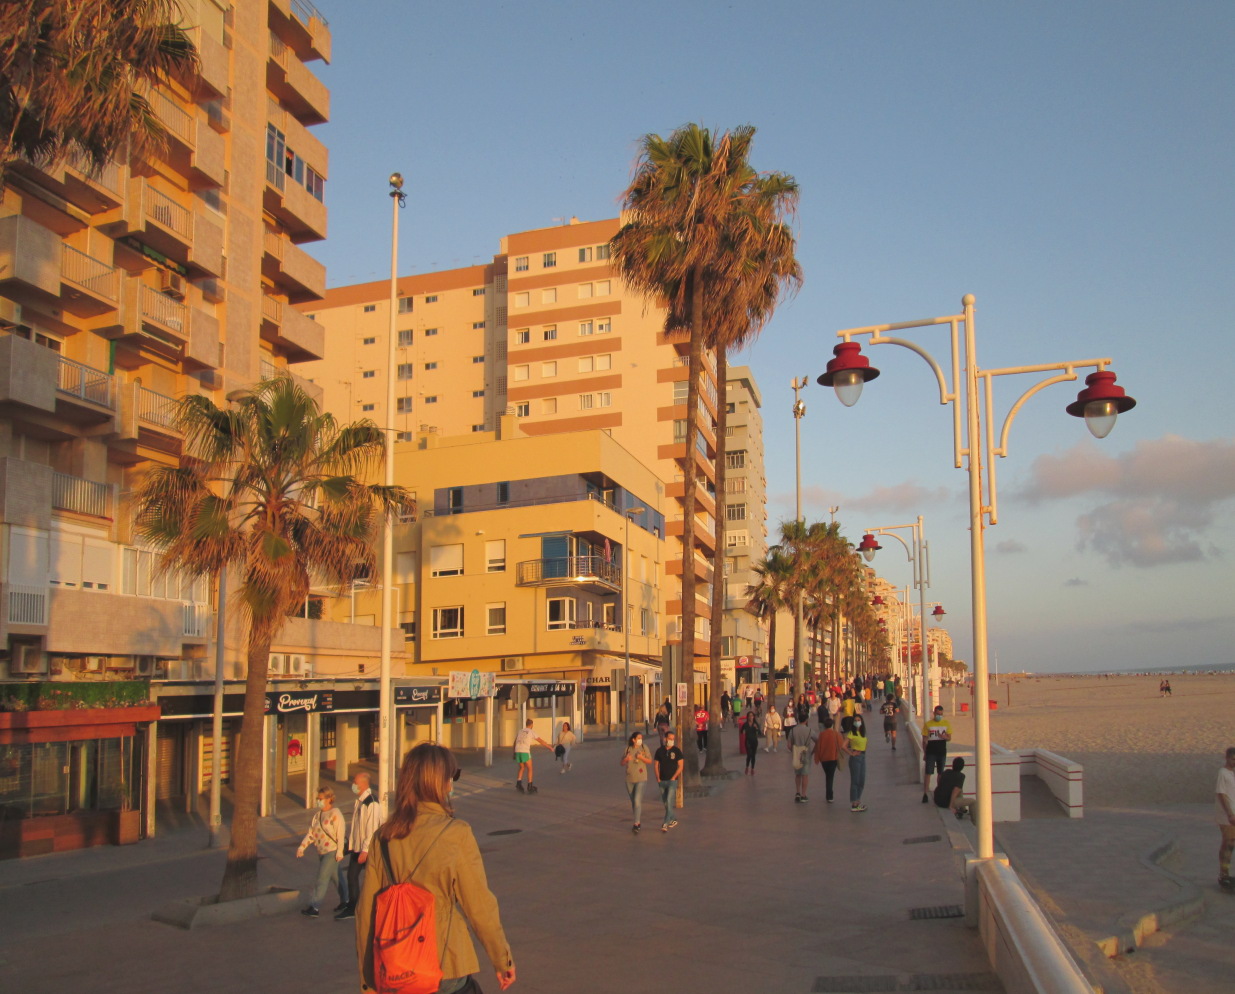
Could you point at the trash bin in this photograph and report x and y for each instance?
(964, 707)
(994, 705)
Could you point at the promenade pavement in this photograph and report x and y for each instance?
(750, 892)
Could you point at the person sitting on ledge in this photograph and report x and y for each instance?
(949, 791)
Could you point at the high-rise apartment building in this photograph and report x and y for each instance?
(549, 335)
(121, 291)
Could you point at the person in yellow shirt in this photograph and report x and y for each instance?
(936, 734)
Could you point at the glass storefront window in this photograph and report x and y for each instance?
(56, 778)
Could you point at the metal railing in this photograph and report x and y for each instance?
(268, 370)
(278, 49)
(72, 493)
(306, 12)
(196, 619)
(27, 605)
(89, 273)
(108, 177)
(162, 309)
(156, 408)
(272, 241)
(272, 309)
(174, 117)
(165, 211)
(79, 380)
(569, 569)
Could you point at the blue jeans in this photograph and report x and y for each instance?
(341, 882)
(857, 777)
(635, 790)
(668, 794)
(325, 873)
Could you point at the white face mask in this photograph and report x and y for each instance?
(638, 743)
(321, 803)
(356, 789)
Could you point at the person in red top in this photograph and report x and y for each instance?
(701, 727)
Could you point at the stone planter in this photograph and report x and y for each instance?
(194, 911)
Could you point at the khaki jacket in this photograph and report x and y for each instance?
(454, 873)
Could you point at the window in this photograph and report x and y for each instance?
(586, 327)
(523, 336)
(609, 615)
(548, 405)
(495, 554)
(448, 622)
(727, 645)
(523, 409)
(369, 374)
(549, 296)
(478, 291)
(586, 400)
(560, 613)
(409, 635)
(432, 399)
(454, 497)
(647, 620)
(315, 183)
(430, 365)
(503, 493)
(602, 288)
(478, 393)
(731, 408)
(585, 255)
(679, 391)
(370, 308)
(477, 359)
(585, 290)
(405, 337)
(431, 299)
(521, 264)
(403, 405)
(495, 619)
(446, 560)
(479, 427)
(550, 334)
(604, 362)
(549, 260)
(404, 371)
(405, 305)
(548, 369)
(735, 460)
(735, 485)
(369, 341)
(523, 299)
(735, 512)
(602, 251)
(604, 399)
(430, 332)
(403, 436)
(477, 325)
(737, 538)
(368, 407)
(604, 326)
(522, 372)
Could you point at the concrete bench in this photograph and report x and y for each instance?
(1064, 778)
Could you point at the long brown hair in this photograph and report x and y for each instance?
(426, 775)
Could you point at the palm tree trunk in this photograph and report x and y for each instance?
(685, 716)
(240, 873)
(715, 765)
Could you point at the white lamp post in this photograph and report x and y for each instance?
(799, 412)
(1098, 403)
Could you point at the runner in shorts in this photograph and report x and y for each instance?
(889, 710)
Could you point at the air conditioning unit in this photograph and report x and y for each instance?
(299, 666)
(171, 284)
(512, 663)
(26, 658)
(277, 663)
(144, 666)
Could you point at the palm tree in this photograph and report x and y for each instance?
(270, 488)
(767, 597)
(73, 74)
(698, 218)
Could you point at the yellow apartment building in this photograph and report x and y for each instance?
(121, 291)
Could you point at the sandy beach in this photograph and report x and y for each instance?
(1138, 749)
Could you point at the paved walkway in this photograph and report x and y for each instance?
(750, 892)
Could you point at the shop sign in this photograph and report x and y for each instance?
(472, 684)
(550, 689)
(307, 701)
(407, 696)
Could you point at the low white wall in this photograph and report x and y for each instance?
(1005, 774)
(1063, 777)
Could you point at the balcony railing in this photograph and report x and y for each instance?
(80, 380)
(108, 177)
(593, 623)
(196, 619)
(27, 605)
(272, 309)
(570, 569)
(306, 12)
(162, 309)
(162, 209)
(72, 493)
(156, 408)
(89, 273)
(268, 370)
(172, 116)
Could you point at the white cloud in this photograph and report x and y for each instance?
(1011, 546)
(1164, 492)
(899, 497)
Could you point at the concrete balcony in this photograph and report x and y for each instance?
(25, 493)
(157, 219)
(302, 26)
(592, 573)
(208, 161)
(177, 122)
(203, 349)
(86, 497)
(213, 64)
(298, 337)
(206, 252)
(295, 86)
(84, 395)
(150, 319)
(300, 213)
(103, 623)
(88, 286)
(293, 270)
(29, 261)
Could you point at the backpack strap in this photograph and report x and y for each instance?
(390, 873)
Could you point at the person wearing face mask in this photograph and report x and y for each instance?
(326, 834)
(669, 764)
(855, 748)
(366, 817)
(635, 760)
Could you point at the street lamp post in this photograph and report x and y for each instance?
(799, 411)
(1099, 404)
(626, 614)
(385, 743)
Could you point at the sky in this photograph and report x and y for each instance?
(1067, 163)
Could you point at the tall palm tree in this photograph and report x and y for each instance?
(697, 217)
(73, 74)
(272, 489)
(768, 596)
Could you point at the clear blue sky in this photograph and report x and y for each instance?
(1068, 163)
